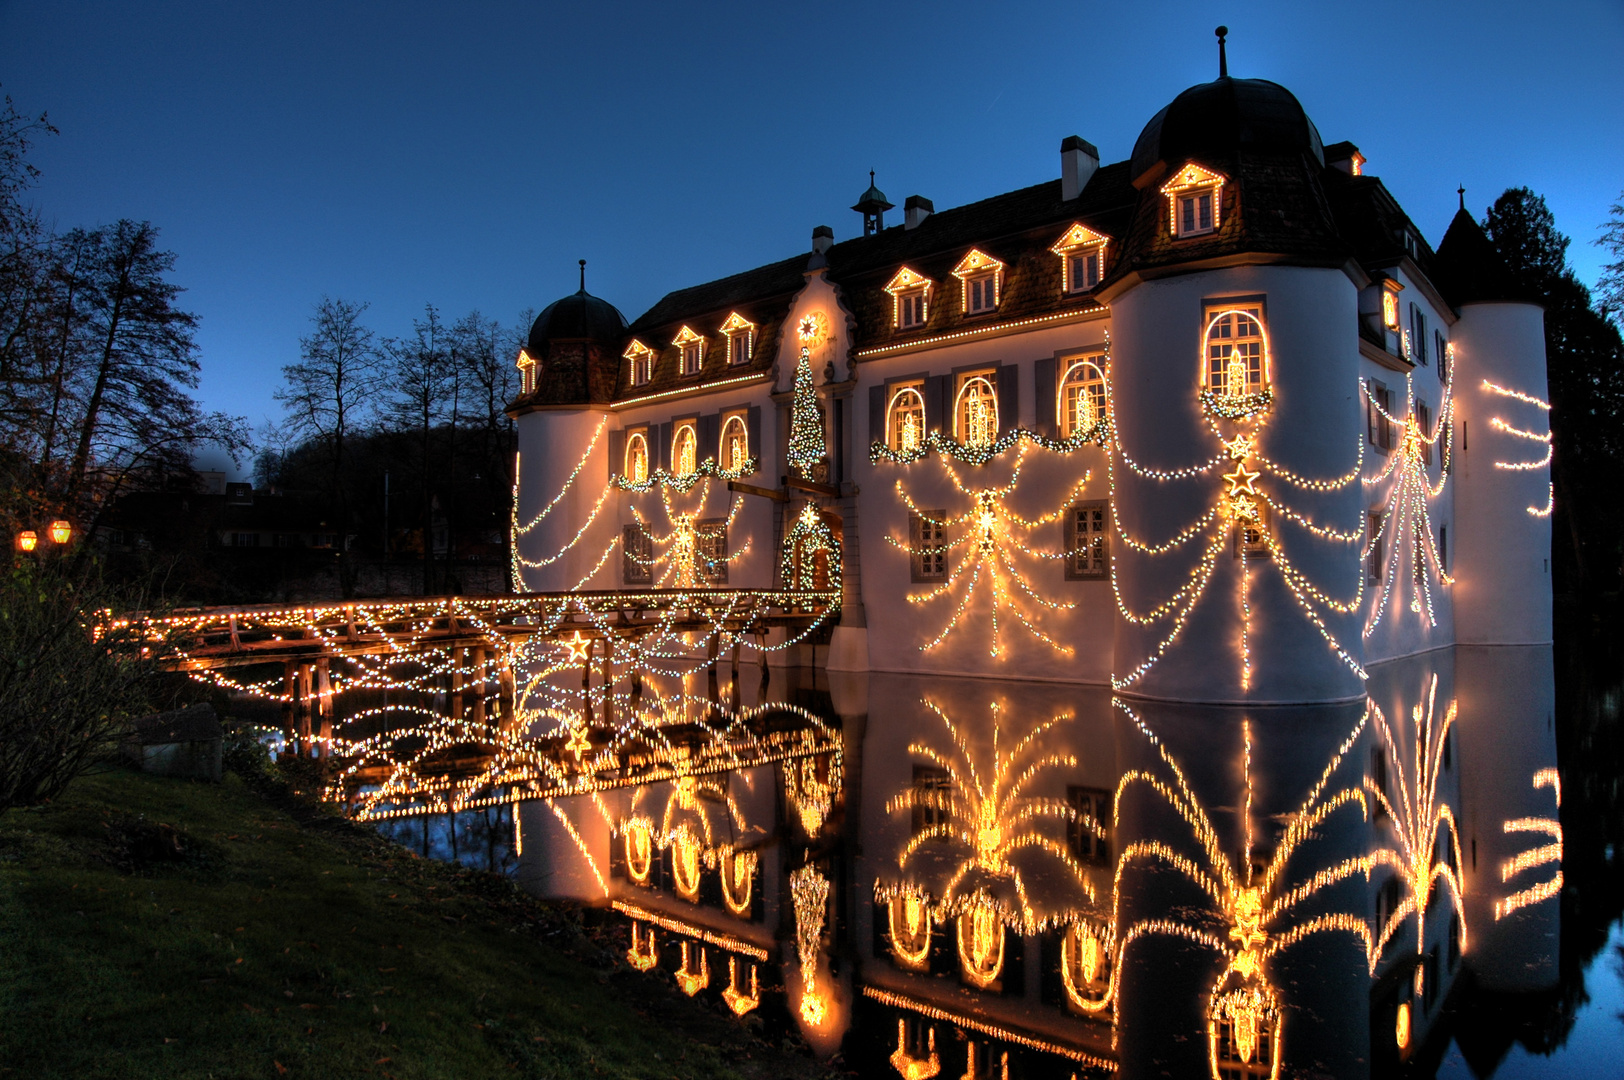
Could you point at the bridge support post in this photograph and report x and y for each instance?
(459, 657)
(290, 696)
(507, 693)
(608, 710)
(322, 703)
(481, 682)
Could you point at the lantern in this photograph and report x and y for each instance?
(27, 540)
(61, 532)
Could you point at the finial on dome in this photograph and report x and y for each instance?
(1461, 191)
(583, 275)
(1223, 60)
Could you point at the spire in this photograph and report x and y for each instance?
(1223, 60)
(1461, 191)
(583, 275)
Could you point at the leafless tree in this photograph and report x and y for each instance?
(419, 386)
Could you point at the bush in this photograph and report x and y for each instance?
(70, 679)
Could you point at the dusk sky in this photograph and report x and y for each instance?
(467, 155)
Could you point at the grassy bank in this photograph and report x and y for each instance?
(161, 928)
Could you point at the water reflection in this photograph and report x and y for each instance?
(970, 877)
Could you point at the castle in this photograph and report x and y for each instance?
(1213, 423)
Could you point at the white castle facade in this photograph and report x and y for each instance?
(1214, 423)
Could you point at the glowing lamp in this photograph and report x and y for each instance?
(1401, 1026)
(27, 540)
(61, 532)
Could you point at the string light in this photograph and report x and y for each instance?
(974, 265)
(981, 1025)
(739, 1001)
(989, 330)
(690, 980)
(806, 538)
(809, 890)
(806, 446)
(1544, 855)
(810, 796)
(910, 1067)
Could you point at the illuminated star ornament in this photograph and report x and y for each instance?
(578, 644)
(991, 547)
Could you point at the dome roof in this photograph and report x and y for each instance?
(577, 317)
(1211, 122)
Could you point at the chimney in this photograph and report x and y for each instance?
(823, 238)
(1078, 160)
(1345, 157)
(915, 209)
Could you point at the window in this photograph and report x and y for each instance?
(1082, 258)
(1443, 556)
(1441, 347)
(635, 467)
(927, 546)
(734, 452)
(1373, 557)
(642, 361)
(691, 351)
(1236, 348)
(1093, 807)
(636, 556)
(1423, 423)
(245, 540)
(982, 277)
(910, 299)
(1195, 200)
(905, 419)
(684, 450)
(1418, 334)
(1082, 394)
(975, 414)
(1088, 552)
(741, 338)
(1259, 1063)
(1378, 415)
(1390, 290)
(932, 798)
(1252, 536)
(287, 540)
(527, 372)
(712, 533)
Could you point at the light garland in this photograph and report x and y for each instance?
(989, 544)
(809, 535)
(1544, 855)
(810, 892)
(738, 1000)
(892, 999)
(726, 942)
(690, 980)
(910, 938)
(991, 329)
(943, 444)
(908, 1066)
(811, 797)
(1420, 817)
(806, 445)
(990, 817)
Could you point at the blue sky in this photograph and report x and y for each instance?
(468, 154)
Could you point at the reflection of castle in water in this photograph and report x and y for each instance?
(1212, 427)
(1059, 879)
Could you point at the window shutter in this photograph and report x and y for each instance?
(1009, 398)
(938, 402)
(709, 430)
(1070, 541)
(752, 426)
(617, 453)
(876, 414)
(665, 446)
(915, 547)
(1044, 373)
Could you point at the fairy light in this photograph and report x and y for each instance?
(809, 535)
(809, 890)
(1079, 240)
(981, 942)
(988, 816)
(806, 446)
(738, 879)
(907, 283)
(974, 265)
(989, 330)
(1084, 965)
(1544, 855)
(1192, 178)
(644, 954)
(992, 537)
(735, 327)
(690, 391)
(741, 1001)
(981, 1025)
(1420, 818)
(811, 796)
(908, 1066)
(909, 920)
(689, 979)
(726, 942)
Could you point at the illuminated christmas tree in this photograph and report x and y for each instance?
(806, 447)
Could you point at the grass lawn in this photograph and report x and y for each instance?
(282, 942)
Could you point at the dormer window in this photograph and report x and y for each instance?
(527, 372)
(1195, 201)
(691, 351)
(982, 278)
(910, 299)
(741, 338)
(1082, 258)
(642, 361)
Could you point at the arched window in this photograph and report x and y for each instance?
(636, 464)
(735, 449)
(905, 421)
(977, 412)
(1236, 353)
(684, 451)
(1082, 396)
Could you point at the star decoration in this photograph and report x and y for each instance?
(808, 327)
(1240, 447)
(1241, 480)
(579, 645)
(578, 743)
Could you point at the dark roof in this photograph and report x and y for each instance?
(578, 317)
(1469, 269)
(1214, 123)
